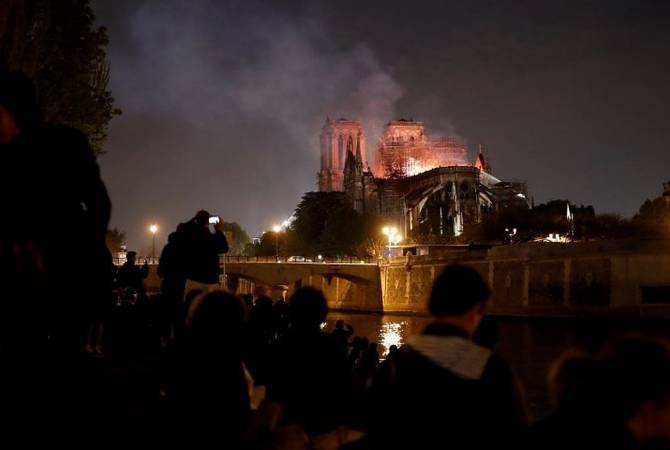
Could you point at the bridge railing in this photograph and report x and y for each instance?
(151, 260)
(292, 260)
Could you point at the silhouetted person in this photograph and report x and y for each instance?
(248, 300)
(616, 399)
(260, 333)
(441, 390)
(372, 356)
(201, 248)
(131, 276)
(342, 333)
(207, 389)
(281, 314)
(357, 347)
(309, 371)
(55, 216)
(392, 351)
(173, 280)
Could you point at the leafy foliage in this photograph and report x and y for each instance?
(57, 45)
(240, 238)
(114, 239)
(653, 218)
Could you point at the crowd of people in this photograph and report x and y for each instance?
(240, 371)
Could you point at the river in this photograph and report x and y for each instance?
(530, 346)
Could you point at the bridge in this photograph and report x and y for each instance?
(601, 278)
(347, 283)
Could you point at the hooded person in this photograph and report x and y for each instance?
(443, 390)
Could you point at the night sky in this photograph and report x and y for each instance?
(223, 101)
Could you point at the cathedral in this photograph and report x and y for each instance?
(426, 185)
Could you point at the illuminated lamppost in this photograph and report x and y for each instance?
(276, 229)
(153, 228)
(393, 236)
(510, 234)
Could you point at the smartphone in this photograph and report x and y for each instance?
(214, 220)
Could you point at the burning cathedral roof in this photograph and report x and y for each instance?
(405, 150)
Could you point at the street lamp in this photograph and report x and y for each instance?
(510, 234)
(393, 236)
(153, 228)
(276, 229)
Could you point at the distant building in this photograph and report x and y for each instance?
(425, 185)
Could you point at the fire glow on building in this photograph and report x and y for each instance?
(427, 185)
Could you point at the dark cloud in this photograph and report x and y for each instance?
(223, 101)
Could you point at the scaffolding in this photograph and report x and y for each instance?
(401, 159)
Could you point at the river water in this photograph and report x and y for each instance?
(530, 346)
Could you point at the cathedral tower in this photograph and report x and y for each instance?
(338, 137)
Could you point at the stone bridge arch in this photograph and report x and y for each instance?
(346, 286)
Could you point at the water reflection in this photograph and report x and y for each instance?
(386, 330)
(529, 346)
(391, 333)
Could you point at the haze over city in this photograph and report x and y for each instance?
(223, 103)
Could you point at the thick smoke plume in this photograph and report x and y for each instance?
(242, 91)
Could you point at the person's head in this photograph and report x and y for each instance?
(393, 349)
(373, 346)
(339, 324)
(18, 106)
(636, 381)
(216, 318)
(131, 257)
(260, 290)
(263, 305)
(571, 380)
(459, 297)
(626, 385)
(202, 218)
(307, 308)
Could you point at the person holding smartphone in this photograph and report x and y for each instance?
(201, 241)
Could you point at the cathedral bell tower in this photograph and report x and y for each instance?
(338, 137)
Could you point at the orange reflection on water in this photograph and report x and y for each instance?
(391, 333)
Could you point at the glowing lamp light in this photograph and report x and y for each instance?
(153, 228)
(386, 230)
(276, 228)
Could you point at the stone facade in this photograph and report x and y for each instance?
(606, 278)
(424, 186)
(338, 137)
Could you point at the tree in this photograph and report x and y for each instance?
(240, 238)
(325, 223)
(57, 45)
(115, 239)
(653, 218)
(266, 245)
